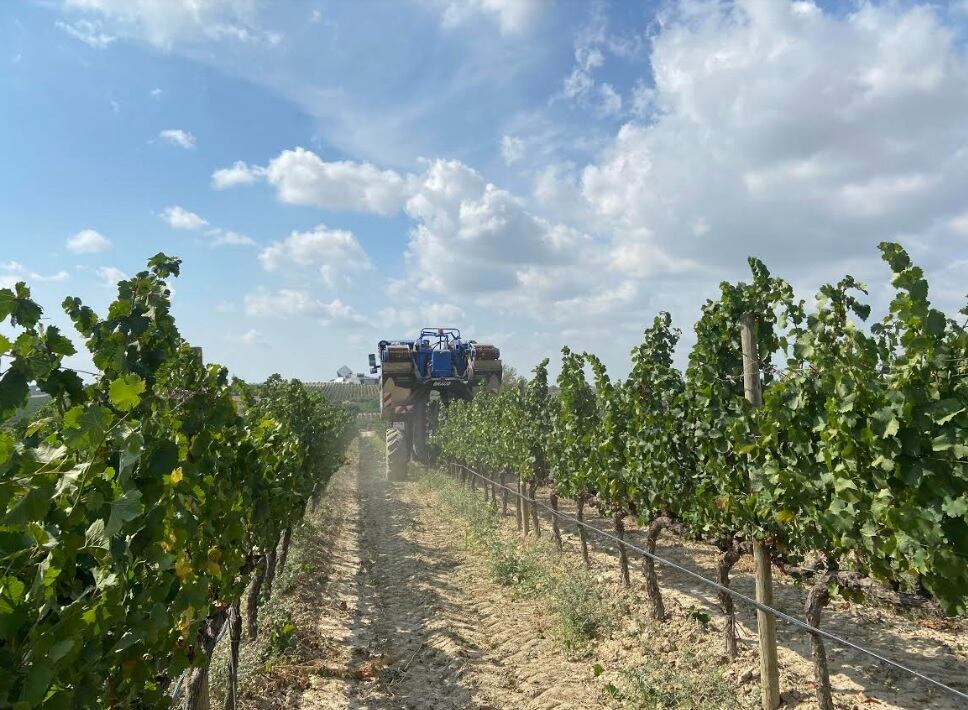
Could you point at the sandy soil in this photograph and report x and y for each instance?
(404, 620)
(393, 610)
(936, 647)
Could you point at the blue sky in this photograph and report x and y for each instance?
(537, 173)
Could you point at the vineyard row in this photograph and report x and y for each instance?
(141, 512)
(829, 447)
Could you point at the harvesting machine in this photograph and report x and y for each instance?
(417, 378)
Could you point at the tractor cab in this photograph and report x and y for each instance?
(440, 354)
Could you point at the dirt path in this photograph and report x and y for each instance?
(418, 626)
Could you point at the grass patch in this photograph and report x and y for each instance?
(583, 613)
(511, 566)
(686, 681)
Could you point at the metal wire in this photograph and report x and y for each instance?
(792, 620)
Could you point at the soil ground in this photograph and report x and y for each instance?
(391, 606)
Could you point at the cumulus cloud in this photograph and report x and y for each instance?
(333, 253)
(787, 132)
(13, 271)
(301, 177)
(238, 174)
(88, 241)
(422, 315)
(222, 237)
(176, 136)
(513, 16)
(180, 218)
(252, 337)
(167, 22)
(289, 303)
(469, 236)
(110, 275)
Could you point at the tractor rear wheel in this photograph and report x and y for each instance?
(396, 455)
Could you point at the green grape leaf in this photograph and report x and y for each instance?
(123, 510)
(126, 392)
(955, 507)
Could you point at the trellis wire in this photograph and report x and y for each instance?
(792, 620)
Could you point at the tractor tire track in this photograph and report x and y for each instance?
(424, 628)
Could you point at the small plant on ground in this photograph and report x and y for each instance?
(280, 638)
(583, 614)
(688, 682)
(511, 566)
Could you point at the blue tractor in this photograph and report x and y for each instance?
(419, 376)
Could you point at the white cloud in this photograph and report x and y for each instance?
(238, 174)
(155, 93)
(469, 236)
(782, 131)
(89, 32)
(13, 271)
(513, 16)
(176, 136)
(593, 44)
(512, 149)
(221, 237)
(88, 241)
(422, 316)
(332, 252)
(252, 337)
(301, 177)
(110, 275)
(180, 218)
(167, 22)
(289, 303)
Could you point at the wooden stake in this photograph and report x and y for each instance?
(765, 622)
(555, 527)
(623, 555)
(582, 533)
(525, 507)
(504, 493)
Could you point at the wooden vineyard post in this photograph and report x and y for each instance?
(765, 622)
(504, 493)
(582, 533)
(555, 527)
(525, 507)
(623, 555)
(517, 502)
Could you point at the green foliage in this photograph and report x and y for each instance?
(685, 682)
(859, 452)
(512, 566)
(280, 636)
(132, 513)
(582, 612)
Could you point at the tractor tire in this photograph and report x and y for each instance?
(396, 455)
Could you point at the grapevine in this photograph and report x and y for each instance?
(136, 507)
